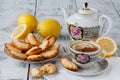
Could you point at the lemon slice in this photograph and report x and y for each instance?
(108, 44)
(20, 32)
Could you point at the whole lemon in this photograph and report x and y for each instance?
(29, 20)
(49, 27)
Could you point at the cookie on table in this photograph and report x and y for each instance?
(48, 68)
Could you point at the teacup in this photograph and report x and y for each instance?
(85, 53)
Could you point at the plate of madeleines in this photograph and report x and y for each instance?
(33, 50)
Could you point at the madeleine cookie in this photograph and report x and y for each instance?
(21, 45)
(11, 47)
(35, 57)
(17, 55)
(49, 54)
(33, 50)
(54, 47)
(68, 64)
(44, 45)
(45, 69)
(51, 40)
(36, 72)
(49, 68)
(32, 39)
(13, 52)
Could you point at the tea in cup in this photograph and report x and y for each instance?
(85, 52)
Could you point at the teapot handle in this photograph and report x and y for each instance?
(101, 23)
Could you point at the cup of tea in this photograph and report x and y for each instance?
(85, 53)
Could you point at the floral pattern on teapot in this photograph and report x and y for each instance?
(79, 33)
(75, 31)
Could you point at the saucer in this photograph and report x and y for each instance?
(97, 68)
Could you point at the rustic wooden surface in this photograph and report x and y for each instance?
(11, 9)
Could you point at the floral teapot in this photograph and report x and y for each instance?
(86, 24)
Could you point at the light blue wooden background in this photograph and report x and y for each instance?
(41, 9)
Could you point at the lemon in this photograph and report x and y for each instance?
(29, 20)
(20, 32)
(107, 44)
(49, 27)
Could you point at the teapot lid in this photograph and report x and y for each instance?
(87, 10)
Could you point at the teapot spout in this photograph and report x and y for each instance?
(65, 15)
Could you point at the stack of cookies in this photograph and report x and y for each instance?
(33, 49)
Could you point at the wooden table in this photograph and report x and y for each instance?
(41, 9)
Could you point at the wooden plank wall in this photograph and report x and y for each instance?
(41, 9)
(9, 12)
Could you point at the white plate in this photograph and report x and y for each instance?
(97, 68)
(27, 61)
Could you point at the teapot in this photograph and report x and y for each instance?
(86, 24)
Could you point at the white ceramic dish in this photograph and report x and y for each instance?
(97, 68)
(27, 61)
